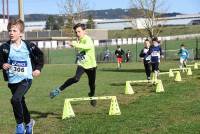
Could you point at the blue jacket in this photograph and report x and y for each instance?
(155, 52)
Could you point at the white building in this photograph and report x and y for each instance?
(35, 25)
(3, 24)
(139, 23)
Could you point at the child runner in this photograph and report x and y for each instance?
(20, 61)
(119, 54)
(86, 62)
(183, 55)
(155, 51)
(146, 58)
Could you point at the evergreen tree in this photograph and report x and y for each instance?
(90, 22)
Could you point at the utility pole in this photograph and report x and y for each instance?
(20, 8)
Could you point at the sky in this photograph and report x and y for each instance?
(52, 6)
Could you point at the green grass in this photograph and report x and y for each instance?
(176, 111)
(67, 56)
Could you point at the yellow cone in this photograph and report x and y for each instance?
(154, 78)
(189, 72)
(178, 76)
(114, 107)
(159, 87)
(195, 66)
(171, 74)
(67, 110)
(128, 88)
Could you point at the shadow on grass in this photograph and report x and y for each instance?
(118, 84)
(127, 70)
(122, 70)
(39, 115)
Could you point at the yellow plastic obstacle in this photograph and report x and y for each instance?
(188, 70)
(129, 89)
(195, 65)
(178, 76)
(170, 73)
(68, 111)
(159, 86)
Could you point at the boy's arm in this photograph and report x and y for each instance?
(141, 54)
(1, 58)
(84, 44)
(38, 57)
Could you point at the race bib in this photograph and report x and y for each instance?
(155, 53)
(19, 68)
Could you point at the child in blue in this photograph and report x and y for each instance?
(183, 54)
(20, 61)
(155, 51)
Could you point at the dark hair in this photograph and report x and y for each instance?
(79, 25)
(182, 45)
(18, 22)
(146, 40)
(155, 39)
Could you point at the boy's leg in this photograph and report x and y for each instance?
(76, 78)
(181, 63)
(70, 81)
(18, 91)
(147, 70)
(185, 63)
(18, 103)
(91, 73)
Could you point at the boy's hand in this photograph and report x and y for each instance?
(6, 66)
(36, 73)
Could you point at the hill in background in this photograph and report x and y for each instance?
(98, 14)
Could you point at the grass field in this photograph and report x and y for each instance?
(67, 56)
(176, 111)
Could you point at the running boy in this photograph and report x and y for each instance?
(146, 58)
(86, 62)
(20, 61)
(155, 51)
(119, 54)
(183, 54)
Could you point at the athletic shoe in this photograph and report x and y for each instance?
(29, 127)
(92, 102)
(55, 92)
(20, 128)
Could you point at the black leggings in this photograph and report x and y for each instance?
(155, 66)
(18, 100)
(147, 69)
(91, 73)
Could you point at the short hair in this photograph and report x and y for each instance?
(79, 25)
(18, 22)
(182, 45)
(146, 40)
(155, 39)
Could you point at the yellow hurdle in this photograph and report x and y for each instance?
(68, 111)
(129, 89)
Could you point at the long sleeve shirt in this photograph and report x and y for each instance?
(86, 49)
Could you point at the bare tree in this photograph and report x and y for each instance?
(150, 11)
(74, 11)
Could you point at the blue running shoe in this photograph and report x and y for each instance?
(20, 128)
(55, 92)
(29, 127)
